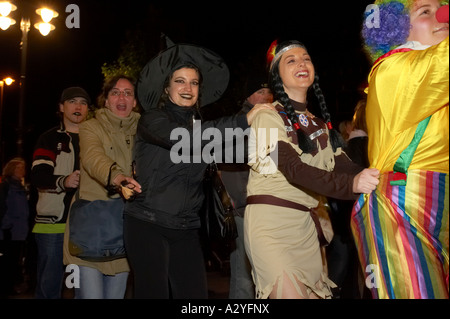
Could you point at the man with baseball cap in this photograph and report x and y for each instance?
(55, 173)
(73, 92)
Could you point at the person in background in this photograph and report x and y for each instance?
(345, 127)
(235, 178)
(106, 148)
(401, 228)
(14, 225)
(344, 267)
(357, 142)
(55, 173)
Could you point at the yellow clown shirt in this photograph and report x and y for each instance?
(401, 229)
(404, 89)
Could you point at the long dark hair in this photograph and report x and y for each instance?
(276, 84)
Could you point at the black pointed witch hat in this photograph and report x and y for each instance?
(213, 69)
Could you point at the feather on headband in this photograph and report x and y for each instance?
(272, 57)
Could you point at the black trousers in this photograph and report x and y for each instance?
(165, 262)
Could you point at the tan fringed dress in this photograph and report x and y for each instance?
(281, 240)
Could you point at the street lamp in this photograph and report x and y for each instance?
(5, 10)
(8, 81)
(44, 28)
(47, 15)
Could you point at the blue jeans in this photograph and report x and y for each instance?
(96, 285)
(241, 281)
(50, 268)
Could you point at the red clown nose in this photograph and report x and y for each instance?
(442, 14)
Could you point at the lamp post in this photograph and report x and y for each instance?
(7, 81)
(44, 28)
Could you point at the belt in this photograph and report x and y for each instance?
(275, 201)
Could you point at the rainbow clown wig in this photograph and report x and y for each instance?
(392, 30)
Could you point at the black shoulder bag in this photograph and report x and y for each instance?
(219, 207)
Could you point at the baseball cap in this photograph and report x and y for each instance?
(256, 83)
(73, 92)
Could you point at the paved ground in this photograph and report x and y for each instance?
(218, 285)
(217, 274)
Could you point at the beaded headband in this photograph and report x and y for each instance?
(272, 57)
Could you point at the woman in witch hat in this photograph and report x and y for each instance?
(162, 224)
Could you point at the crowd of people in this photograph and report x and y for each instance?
(382, 180)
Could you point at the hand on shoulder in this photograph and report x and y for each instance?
(258, 108)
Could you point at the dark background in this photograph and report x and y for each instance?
(241, 32)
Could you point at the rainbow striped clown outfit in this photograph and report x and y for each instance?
(401, 228)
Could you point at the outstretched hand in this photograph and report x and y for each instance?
(128, 186)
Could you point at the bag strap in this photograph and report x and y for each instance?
(405, 158)
(109, 187)
(220, 188)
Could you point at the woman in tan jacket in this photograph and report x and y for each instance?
(106, 139)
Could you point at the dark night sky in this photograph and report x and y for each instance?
(240, 32)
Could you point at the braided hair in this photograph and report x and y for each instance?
(336, 138)
(276, 84)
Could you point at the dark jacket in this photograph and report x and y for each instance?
(171, 170)
(14, 209)
(356, 149)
